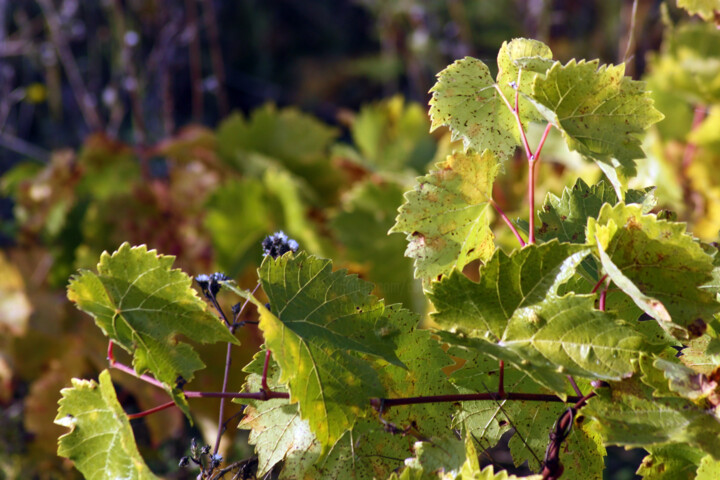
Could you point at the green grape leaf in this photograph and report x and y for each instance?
(320, 321)
(143, 305)
(367, 213)
(280, 435)
(670, 462)
(425, 360)
(657, 264)
(697, 355)
(524, 322)
(565, 218)
(487, 421)
(100, 441)
(441, 457)
(276, 429)
(599, 110)
(629, 415)
(705, 8)
(446, 217)
(687, 383)
(507, 283)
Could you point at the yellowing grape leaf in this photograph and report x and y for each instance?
(465, 97)
(144, 306)
(446, 217)
(519, 62)
(100, 441)
(318, 323)
(709, 468)
(657, 264)
(599, 110)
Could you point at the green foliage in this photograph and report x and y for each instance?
(661, 267)
(447, 218)
(319, 321)
(562, 316)
(142, 305)
(599, 110)
(100, 441)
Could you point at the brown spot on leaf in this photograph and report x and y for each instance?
(697, 328)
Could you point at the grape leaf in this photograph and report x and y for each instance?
(670, 462)
(437, 457)
(15, 307)
(629, 415)
(486, 421)
(100, 441)
(446, 217)
(661, 267)
(142, 305)
(465, 97)
(276, 429)
(709, 469)
(320, 321)
(530, 325)
(565, 218)
(698, 357)
(425, 360)
(507, 283)
(279, 434)
(528, 58)
(599, 110)
(705, 8)
(707, 134)
(687, 383)
(287, 137)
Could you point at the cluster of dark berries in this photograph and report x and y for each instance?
(278, 244)
(210, 284)
(197, 454)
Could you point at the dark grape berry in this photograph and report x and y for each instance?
(210, 284)
(278, 244)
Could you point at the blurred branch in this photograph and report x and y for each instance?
(216, 55)
(195, 59)
(22, 147)
(160, 59)
(82, 96)
(132, 85)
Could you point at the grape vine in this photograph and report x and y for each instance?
(600, 328)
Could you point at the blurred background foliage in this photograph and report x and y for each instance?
(198, 127)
